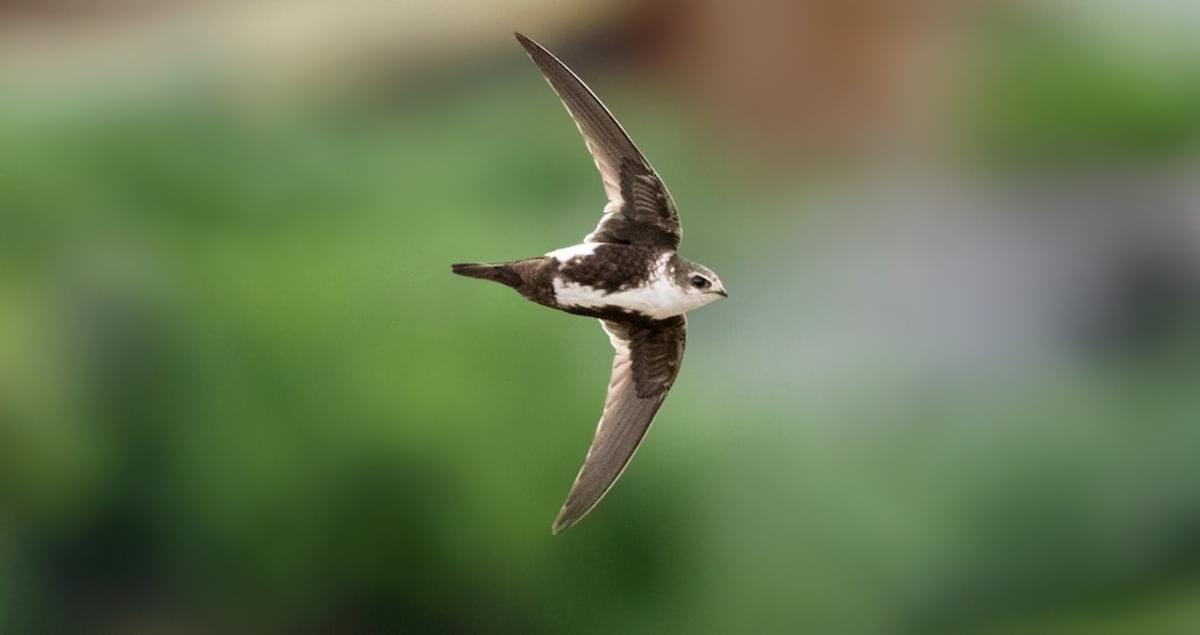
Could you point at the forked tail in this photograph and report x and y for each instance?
(502, 273)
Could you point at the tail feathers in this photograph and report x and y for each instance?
(501, 273)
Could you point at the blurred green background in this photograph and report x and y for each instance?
(954, 389)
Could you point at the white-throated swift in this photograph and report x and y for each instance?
(628, 273)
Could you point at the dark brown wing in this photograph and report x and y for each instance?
(640, 210)
(648, 355)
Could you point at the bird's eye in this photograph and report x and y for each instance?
(700, 282)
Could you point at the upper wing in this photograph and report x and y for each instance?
(648, 355)
(640, 209)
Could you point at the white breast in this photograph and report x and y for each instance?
(657, 298)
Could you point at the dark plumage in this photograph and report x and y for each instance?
(626, 273)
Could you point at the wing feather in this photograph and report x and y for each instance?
(640, 209)
(646, 362)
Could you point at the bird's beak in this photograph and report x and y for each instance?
(723, 293)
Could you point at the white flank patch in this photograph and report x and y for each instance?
(574, 251)
(657, 299)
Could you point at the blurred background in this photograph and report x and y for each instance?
(954, 390)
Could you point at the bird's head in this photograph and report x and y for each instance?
(699, 283)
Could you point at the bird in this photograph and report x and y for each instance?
(627, 273)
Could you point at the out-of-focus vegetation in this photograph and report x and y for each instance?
(240, 390)
(1050, 92)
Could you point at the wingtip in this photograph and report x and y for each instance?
(560, 525)
(566, 519)
(529, 44)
